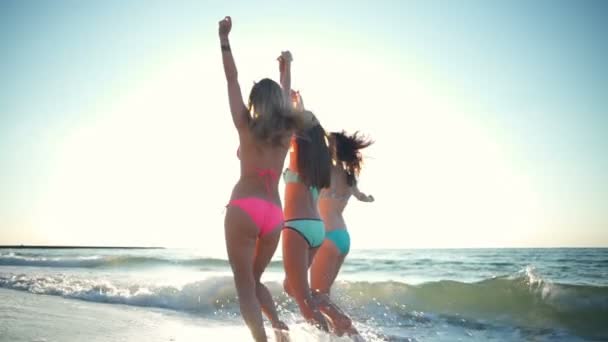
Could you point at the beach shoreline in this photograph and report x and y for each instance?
(30, 317)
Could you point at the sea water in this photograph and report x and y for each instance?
(392, 295)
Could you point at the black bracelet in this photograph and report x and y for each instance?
(225, 47)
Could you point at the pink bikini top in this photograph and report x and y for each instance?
(268, 175)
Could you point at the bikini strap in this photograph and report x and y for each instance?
(290, 176)
(268, 175)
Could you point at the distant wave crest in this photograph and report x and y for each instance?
(201, 296)
(123, 261)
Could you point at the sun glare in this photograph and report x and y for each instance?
(158, 165)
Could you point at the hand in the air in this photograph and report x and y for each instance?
(297, 101)
(225, 25)
(284, 59)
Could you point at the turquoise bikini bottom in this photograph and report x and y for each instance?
(340, 238)
(312, 230)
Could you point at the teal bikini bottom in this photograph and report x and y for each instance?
(340, 238)
(312, 230)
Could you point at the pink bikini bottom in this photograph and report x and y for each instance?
(265, 214)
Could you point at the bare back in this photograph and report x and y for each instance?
(299, 202)
(333, 200)
(261, 165)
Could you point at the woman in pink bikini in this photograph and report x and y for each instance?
(254, 216)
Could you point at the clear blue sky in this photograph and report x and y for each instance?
(490, 117)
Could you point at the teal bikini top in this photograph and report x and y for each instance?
(290, 176)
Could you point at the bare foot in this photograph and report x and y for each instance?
(343, 323)
(340, 322)
(356, 337)
(280, 325)
(281, 331)
(319, 321)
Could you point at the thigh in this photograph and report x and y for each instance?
(311, 254)
(241, 238)
(295, 256)
(265, 248)
(325, 267)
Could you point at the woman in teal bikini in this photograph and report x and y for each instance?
(303, 232)
(330, 256)
(253, 215)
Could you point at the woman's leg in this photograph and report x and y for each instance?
(325, 267)
(296, 261)
(265, 248)
(241, 237)
(324, 270)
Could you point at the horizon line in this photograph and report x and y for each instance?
(74, 247)
(361, 249)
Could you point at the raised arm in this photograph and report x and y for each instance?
(285, 60)
(361, 196)
(305, 118)
(240, 116)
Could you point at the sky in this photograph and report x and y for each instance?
(489, 118)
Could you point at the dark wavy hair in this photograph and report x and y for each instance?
(347, 151)
(271, 117)
(314, 157)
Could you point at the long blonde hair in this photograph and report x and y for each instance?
(271, 117)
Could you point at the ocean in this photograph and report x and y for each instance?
(392, 295)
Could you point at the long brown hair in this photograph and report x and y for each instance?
(347, 151)
(271, 117)
(314, 157)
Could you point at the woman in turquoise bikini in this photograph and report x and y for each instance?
(333, 251)
(303, 232)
